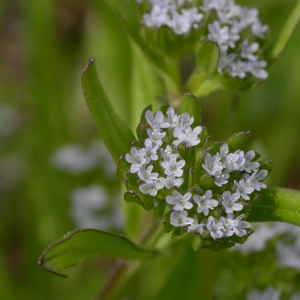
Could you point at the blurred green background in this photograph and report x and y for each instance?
(44, 46)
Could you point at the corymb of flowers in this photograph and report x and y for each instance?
(194, 185)
(237, 30)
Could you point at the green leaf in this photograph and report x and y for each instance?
(167, 40)
(190, 105)
(80, 244)
(127, 12)
(208, 57)
(286, 33)
(237, 139)
(276, 204)
(116, 134)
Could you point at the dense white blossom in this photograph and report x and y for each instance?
(240, 55)
(163, 171)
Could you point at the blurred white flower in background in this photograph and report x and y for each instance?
(91, 207)
(76, 159)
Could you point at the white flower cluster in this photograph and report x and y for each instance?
(270, 293)
(239, 56)
(160, 170)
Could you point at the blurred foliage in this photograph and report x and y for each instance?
(43, 50)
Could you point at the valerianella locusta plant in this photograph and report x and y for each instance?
(196, 187)
(199, 190)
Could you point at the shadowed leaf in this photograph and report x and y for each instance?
(80, 244)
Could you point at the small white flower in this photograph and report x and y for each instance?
(151, 151)
(212, 164)
(226, 228)
(136, 158)
(196, 227)
(209, 5)
(239, 69)
(268, 294)
(184, 120)
(234, 161)
(205, 202)
(166, 154)
(225, 60)
(229, 202)
(218, 34)
(172, 117)
(179, 201)
(256, 68)
(259, 29)
(221, 178)
(187, 135)
(254, 179)
(156, 136)
(157, 17)
(172, 166)
(179, 219)
(250, 166)
(146, 175)
(238, 225)
(248, 17)
(156, 121)
(171, 181)
(243, 189)
(248, 50)
(215, 229)
(151, 188)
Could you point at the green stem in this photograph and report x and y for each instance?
(286, 33)
(123, 270)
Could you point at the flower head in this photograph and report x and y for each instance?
(237, 31)
(209, 201)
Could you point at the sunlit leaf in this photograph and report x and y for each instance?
(80, 244)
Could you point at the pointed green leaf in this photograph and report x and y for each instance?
(286, 33)
(266, 164)
(116, 134)
(276, 204)
(237, 139)
(80, 244)
(190, 104)
(208, 57)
